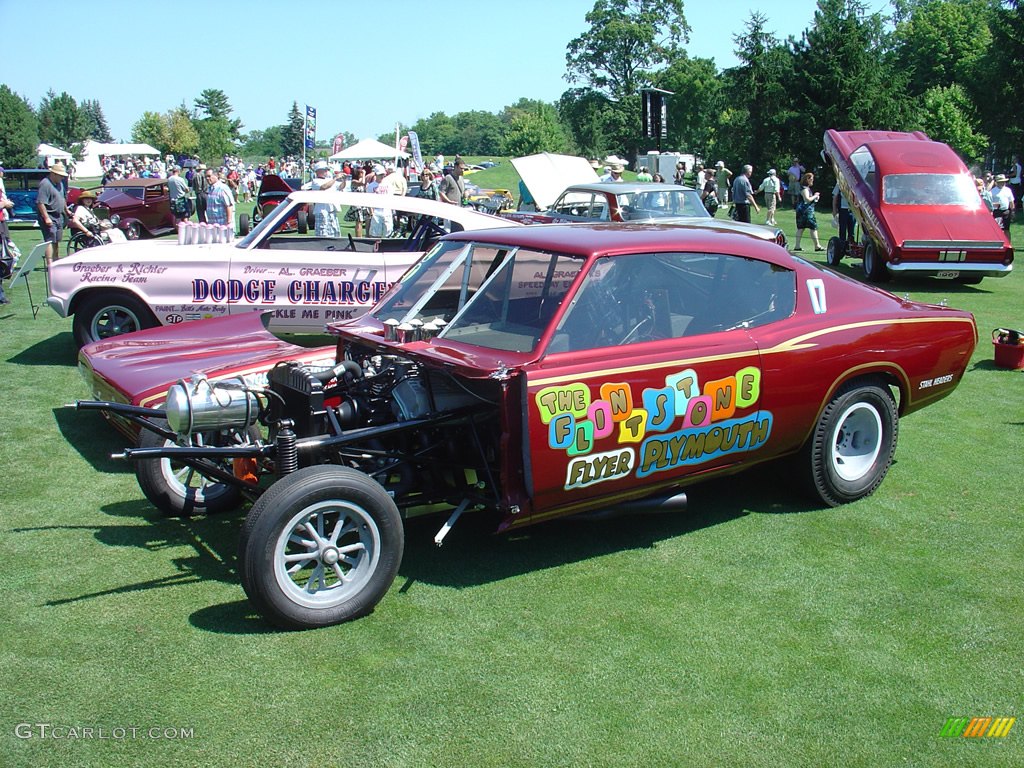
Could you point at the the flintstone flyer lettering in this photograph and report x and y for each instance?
(622, 432)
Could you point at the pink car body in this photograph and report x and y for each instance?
(305, 280)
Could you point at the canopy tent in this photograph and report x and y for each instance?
(369, 149)
(89, 165)
(49, 154)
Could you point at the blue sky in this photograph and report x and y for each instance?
(363, 65)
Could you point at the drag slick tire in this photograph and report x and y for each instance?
(178, 490)
(108, 315)
(874, 267)
(851, 448)
(320, 547)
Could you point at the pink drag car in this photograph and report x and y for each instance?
(305, 278)
(918, 209)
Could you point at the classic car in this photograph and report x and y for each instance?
(917, 207)
(526, 374)
(22, 186)
(272, 192)
(143, 207)
(305, 278)
(595, 201)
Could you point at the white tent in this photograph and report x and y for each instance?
(50, 154)
(369, 149)
(89, 165)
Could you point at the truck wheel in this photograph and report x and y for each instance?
(178, 490)
(320, 547)
(105, 316)
(834, 252)
(874, 267)
(849, 453)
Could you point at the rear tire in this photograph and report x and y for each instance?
(874, 267)
(851, 448)
(320, 547)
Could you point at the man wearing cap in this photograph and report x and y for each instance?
(772, 194)
(52, 208)
(326, 214)
(1003, 204)
(453, 188)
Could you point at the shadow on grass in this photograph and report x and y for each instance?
(473, 555)
(214, 540)
(94, 439)
(56, 350)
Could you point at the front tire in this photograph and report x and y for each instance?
(851, 448)
(243, 225)
(176, 489)
(321, 547)
(106, 316)
(133, 231)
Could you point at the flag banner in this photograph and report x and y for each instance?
(310, 127)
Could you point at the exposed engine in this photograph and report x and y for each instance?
(416, 430)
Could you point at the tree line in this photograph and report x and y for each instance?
(948, 67)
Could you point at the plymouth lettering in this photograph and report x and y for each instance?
(684, 422)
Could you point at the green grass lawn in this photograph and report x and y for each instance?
(755, 629)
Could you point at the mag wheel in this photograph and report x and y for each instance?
(101, 317)
(177, 489)
(850, 451)
(322, 546)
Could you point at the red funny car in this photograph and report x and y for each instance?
(525, 374)
(917, 207)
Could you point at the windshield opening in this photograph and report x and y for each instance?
(486, 295)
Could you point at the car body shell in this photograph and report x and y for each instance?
(304, 281)
(273, 191)
(586, 429)
(916, 235)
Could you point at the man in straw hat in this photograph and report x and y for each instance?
(52, 207)
(1003, 204)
